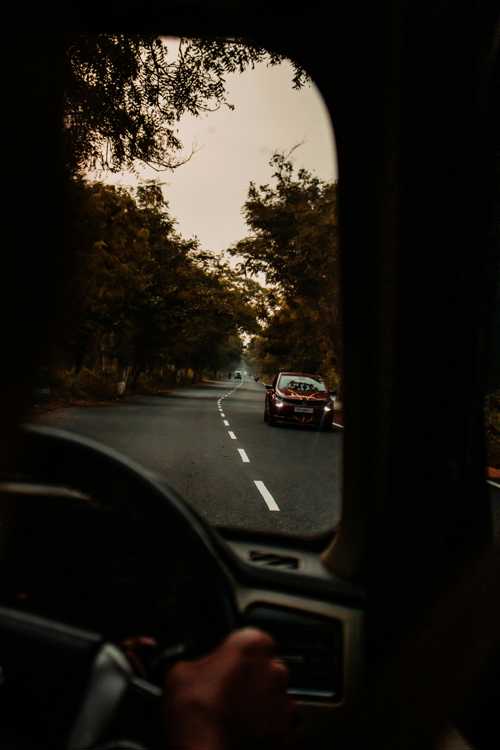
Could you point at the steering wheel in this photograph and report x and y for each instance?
(73, 678)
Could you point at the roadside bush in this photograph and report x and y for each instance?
(61, 383)
(331, 378)
(100, 386)
(155, 382)
(67, 385)
(147, 384)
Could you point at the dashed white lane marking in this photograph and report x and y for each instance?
(493, 484)
(244, 456)
(268, 498)
(266, 495)
(336, 424)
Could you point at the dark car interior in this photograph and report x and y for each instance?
(390, 626)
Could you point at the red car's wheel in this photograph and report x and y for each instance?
(267, 416)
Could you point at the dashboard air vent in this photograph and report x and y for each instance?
(273, 560)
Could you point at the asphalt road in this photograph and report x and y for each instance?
(211, 445)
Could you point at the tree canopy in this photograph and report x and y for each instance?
(293, 242)
(125, 94)
(143, 295)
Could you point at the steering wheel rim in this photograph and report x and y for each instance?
(90, 467)
(63, 459)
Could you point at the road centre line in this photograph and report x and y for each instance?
(223, 415)
(268, 498)
(336, 424)
(493, 484)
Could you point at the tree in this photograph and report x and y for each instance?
(125, 95)
(140, 289)
(293, 242)
(216, 312)
(112, 267)
(144, 295)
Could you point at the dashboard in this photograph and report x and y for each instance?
(67, 557)
(318, 624)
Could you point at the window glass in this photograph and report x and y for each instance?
(300, 384)
(202, 192)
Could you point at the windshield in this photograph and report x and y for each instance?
(300, 384)
(201, 195)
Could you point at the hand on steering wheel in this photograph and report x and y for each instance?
(221, 698)
(235, 697)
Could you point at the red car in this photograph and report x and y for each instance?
(299, 398)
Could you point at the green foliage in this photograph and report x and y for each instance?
(293, 242)
(125, 94)
(84, 385)
(142, 296)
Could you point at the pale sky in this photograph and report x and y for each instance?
(206, 195)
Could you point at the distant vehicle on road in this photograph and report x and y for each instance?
(237, 375)
(299, 398)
